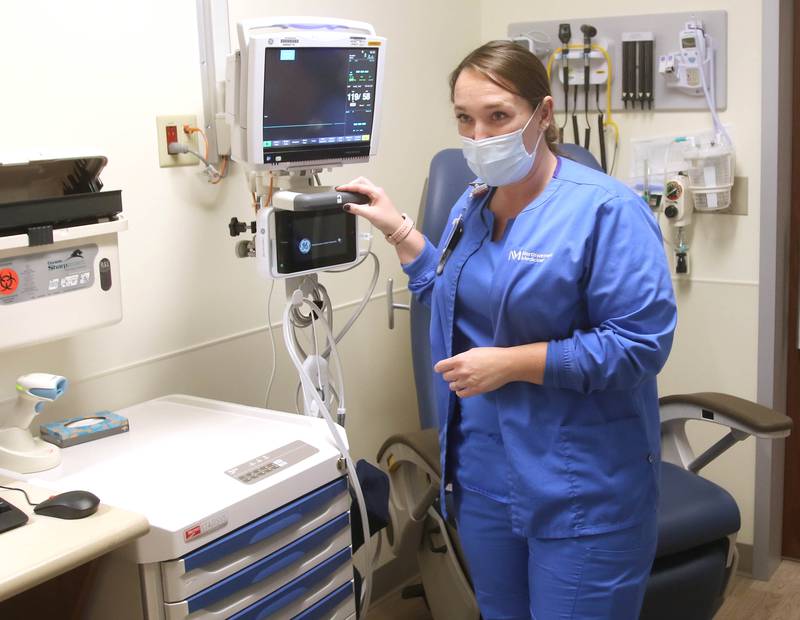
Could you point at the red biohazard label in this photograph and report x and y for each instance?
(192, 532)
(9, 281)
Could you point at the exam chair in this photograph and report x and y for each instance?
(697, 520)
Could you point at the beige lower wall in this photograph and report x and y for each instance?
(716, 343)
(90, 76)
(715, 351)
(177, 221)
(381, 398)
(377, 363)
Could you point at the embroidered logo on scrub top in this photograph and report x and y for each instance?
(526, 256)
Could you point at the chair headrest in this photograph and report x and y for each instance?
(449, 177)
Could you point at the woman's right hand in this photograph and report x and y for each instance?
(380, 211)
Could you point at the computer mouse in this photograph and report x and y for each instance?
(69, 505)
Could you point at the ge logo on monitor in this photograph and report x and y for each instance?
(304, 246)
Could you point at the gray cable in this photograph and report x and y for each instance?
(201, 158)
(176, 148)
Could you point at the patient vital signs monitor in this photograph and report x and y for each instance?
(318, 102)
(303, 94)
(311, 92)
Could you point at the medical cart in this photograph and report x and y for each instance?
(248, 511)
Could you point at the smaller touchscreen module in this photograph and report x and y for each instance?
(314, 239)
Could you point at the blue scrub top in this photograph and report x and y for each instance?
(584, 270)
(479, 459)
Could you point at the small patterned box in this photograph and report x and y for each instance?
(73, 431)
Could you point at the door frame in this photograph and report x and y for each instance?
(791, 506)
(778, 16)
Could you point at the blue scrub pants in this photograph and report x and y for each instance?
(597, 577)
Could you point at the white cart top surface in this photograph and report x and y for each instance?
(171, 466)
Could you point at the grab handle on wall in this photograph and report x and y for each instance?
(390, 302)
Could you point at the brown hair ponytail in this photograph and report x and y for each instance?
(514, 69)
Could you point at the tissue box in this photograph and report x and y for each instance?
(73, 431)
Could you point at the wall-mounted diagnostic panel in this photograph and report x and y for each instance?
(655, 61)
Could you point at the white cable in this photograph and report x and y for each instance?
(712, 59)
(336, 357)
(665, 238)
(707, 64)
(711, 99)
(327, 304)
(666, 168)
(369, 237)
(297, 392)
(316, 354)
(334, 395)
(364, 301)
(272, 342)
(323, 292)
(662, 206)
(366, 591)
(300, 321)
(614, 159)
(378, 547)
(353, 318)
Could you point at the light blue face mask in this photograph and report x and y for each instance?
(501, 160)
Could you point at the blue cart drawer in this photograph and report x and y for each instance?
(278, 603)
(267, 526)
(332, 606)
(270, 565)
(229, 554)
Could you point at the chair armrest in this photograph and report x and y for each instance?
(743, 417)
(412, 462)
(424, 443)
(736, 413)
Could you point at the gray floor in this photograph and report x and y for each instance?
(777, 599)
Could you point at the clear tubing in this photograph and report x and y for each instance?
(366, 591)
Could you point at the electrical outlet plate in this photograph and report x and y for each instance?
(165, 160)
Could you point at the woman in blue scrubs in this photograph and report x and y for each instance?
(551, 314)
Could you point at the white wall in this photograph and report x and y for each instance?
(716, 342)
(96, 73)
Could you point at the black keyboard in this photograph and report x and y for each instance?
(10, 516)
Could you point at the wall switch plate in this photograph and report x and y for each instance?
(165, 160)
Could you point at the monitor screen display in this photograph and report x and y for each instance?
(314, 239)
(319, 102)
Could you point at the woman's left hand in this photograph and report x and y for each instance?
(476, 371)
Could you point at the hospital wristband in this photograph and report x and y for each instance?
(402, 231)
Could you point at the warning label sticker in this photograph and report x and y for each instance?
(31, 276)
(9, 281)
